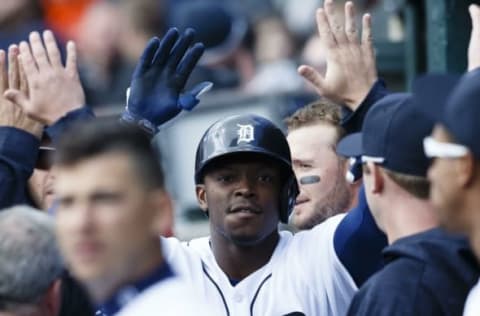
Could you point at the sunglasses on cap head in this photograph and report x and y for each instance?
(436, 149)
(45, 158)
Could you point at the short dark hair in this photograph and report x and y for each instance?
(417, 186)
(107, 135)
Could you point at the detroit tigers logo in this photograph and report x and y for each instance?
(245, 133)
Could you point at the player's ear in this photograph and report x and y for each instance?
(52, 299)
(377, 177)
(202, 197)
(465, 171)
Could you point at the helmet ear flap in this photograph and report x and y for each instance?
(287, 198)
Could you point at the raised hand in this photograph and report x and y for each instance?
(53, 89)
(474, 45)
(351, 69)
(160, 77)
(11, 114)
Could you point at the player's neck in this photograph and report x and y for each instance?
(103, 288)
(239, 261)
(408, 216)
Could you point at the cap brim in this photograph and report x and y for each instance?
(351, 145)
(431, 93)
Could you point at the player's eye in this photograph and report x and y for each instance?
(106, 198)
(65, 202)
(225, 177)
(266, 178)
(305, 165)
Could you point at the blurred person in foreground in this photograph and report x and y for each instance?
(313, 133)
(30, 264)
(27, 146)
(455, 152)
(112, 208)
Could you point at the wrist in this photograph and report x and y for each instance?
(136, 120)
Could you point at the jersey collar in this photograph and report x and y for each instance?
(127, 293)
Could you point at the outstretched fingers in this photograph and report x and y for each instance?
(189, 62)
(326, 36)
(71, 62)
(38, 51)
(13, 72)
(474, 44)
(52, 49)
(350, 26)
(179, 50)
(367, 42)
(146, 59)
(336, 23)
(164, 49)
(26, 58)
(3, 72)
(313, 77)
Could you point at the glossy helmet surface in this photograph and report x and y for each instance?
(249, 134)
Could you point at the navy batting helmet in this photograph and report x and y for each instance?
(249, 134)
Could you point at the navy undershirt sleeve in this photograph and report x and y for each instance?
(352, 121)
(55, 130)
(358, 242)
(18, 155)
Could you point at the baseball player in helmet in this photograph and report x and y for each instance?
(237, 136)
(245, 183)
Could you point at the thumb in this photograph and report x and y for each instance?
(17, 97)
(312, 76)
(189, 99)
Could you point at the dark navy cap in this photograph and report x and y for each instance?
(392, 135)
(218, 26)
(455, 103)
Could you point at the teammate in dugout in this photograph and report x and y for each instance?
(245, 183)
(454, 149)
(247, 267)
(313, 133)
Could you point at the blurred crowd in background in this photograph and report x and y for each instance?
(253, 46)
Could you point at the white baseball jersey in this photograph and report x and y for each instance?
(303, 277)
(472, 306)
(171, 296)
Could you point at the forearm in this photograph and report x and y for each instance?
(352, 121)
(358, 242)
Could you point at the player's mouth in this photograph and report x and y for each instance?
(244, 209)
(301, 201)
(87, 250)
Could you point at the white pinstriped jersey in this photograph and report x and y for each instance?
(472, 305)
(167, 298)
(303, 277)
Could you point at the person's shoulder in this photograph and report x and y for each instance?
(388, 292)
(172, 296)
(326, 228)
(180, 253)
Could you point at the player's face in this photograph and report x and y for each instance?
(242, 198)
(313, 155)
(444, 193)
(105, 218)
(40, 186)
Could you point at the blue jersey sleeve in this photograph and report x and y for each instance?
(358, 242)
(55, 130)
(18, 155)
(352, 121)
